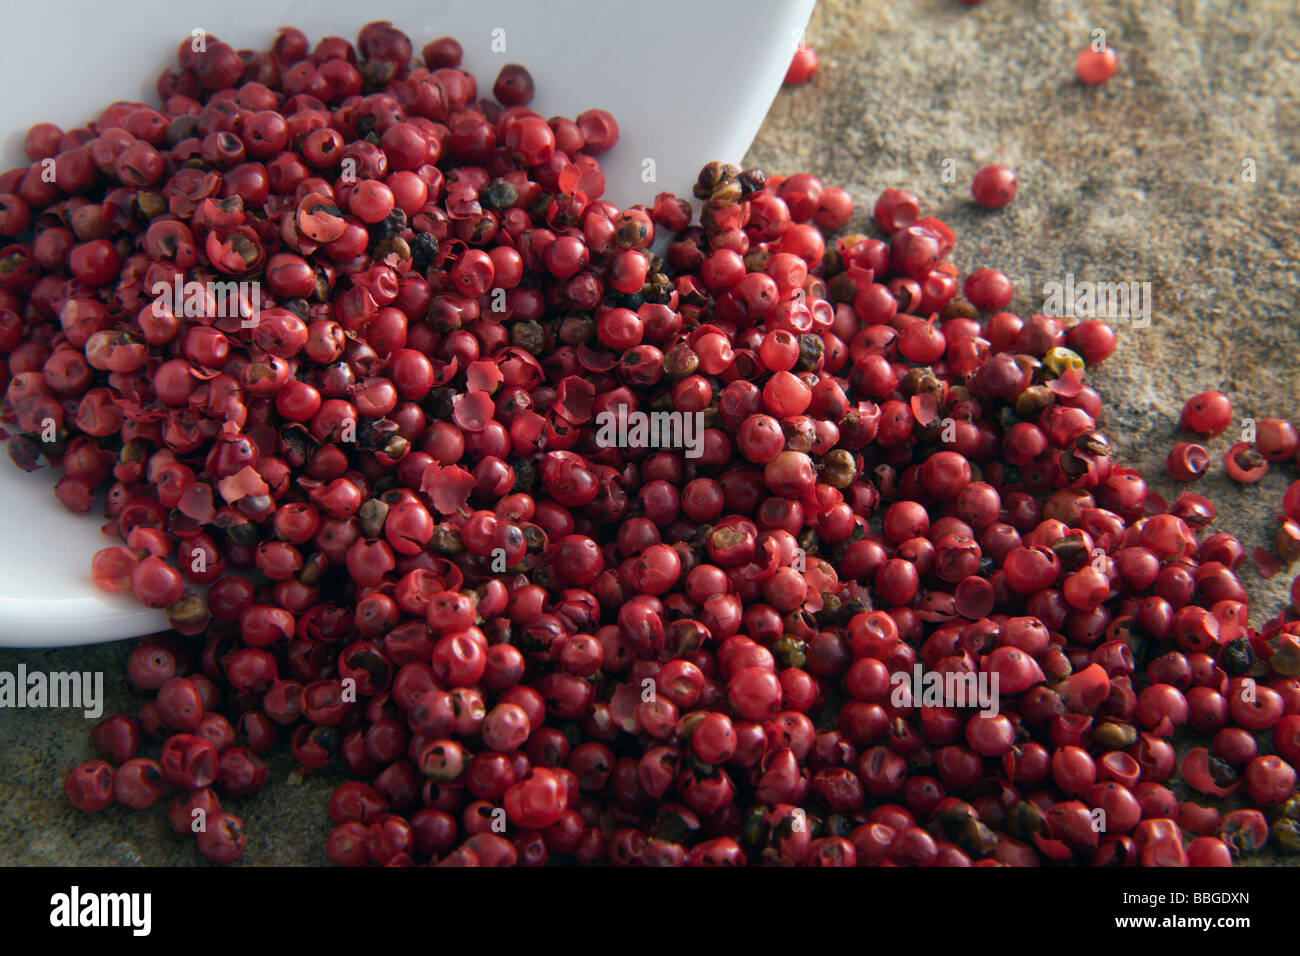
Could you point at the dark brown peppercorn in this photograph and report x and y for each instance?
(811, 350)
(752, 181)
(1237, 657)
(1093, 443)
(958, 308)
(423, 248)
(529, 336)
(314, 567)
(726, 193)
(711, 176)
(1286, 540)
(789, 651)
(1221, 772)
(525, 482)
(372, 515)
(658, 289)
(394, 246)
(680, 361)
(1286, 834)
(1024, 820)
(630, 232)
(446, 539)
(842, 288)
(182, 128)
(1114, 736)
(1031, 402)
(151, 204)
(498, 194)
(190, 614)
(388, 227)
(838, 468)
(24, 452)
(374, 75)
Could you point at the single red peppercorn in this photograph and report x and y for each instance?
(222, 840)
(1207, 414)
(1096, 66)
(89, 786)
(994, 186)
(802, 66)
(988, 290)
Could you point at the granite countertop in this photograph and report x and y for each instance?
(1140, 180)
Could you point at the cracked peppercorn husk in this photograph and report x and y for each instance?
(712, 176)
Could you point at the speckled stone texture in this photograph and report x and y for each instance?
(1138, 180)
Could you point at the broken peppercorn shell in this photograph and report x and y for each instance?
(1244, 464)
(1187, 461)
(1286, 540)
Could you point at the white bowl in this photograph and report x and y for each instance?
(687, 82)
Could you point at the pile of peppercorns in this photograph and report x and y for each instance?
(372, 499)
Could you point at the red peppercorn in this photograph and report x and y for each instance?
(802, 66)
(1207, 414)
(1269, 780)
(189, 813)
(117, 738)
(188, 762)
(1096, 66)
(456, 560)
(138, 783)
(1094, 341)
(222, 840)
(89, 786)
(1276, 439)
(988, 290)
(994, 186)
(513, 86)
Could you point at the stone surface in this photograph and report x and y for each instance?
(1138, 180)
